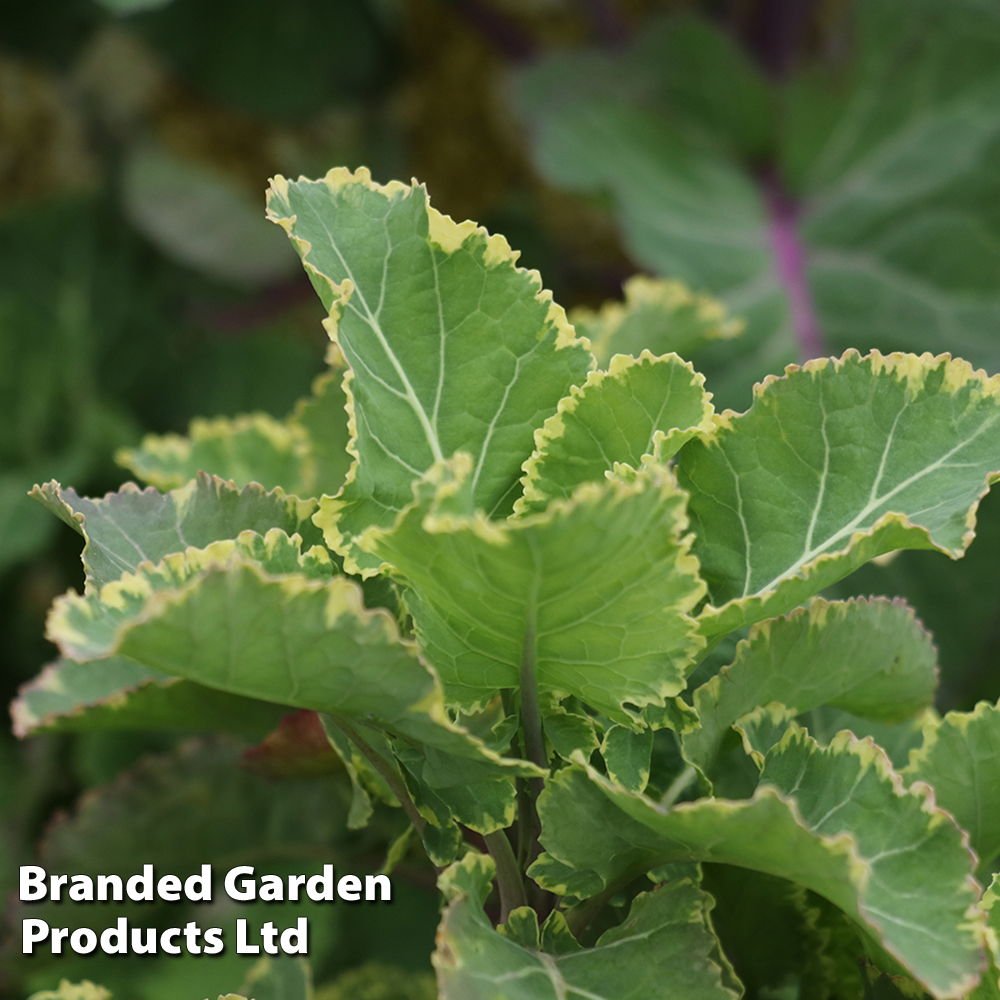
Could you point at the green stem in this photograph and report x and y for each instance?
(508, 873)
(392, 777)
(531, 713)
(580, 916)
(677, 786)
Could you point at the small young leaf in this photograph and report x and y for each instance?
(306, 455)
(660, 316)
(835, 463)
(627, 756)
(73, 991)
(870, 657)
(663, 950)
(252, 448)
(451, 346)
(644, 406)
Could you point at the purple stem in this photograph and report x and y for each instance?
(608, 24)
(790, 259)
(503, 33)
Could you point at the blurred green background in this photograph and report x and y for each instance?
(140, 287)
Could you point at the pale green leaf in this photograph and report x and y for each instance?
(960, 760)
(252, 448)
(593, 594)
(660, 316)
(836, 463)
(255, 617)
(836, 820)
(663, 949)
(115, 693)
(281, 978)
(73, 991)
(897, 740)
(323, 418)
(451, 346)
(644, 406)
(869, 657)
(134, 526)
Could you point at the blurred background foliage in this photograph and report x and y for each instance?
(140, 287)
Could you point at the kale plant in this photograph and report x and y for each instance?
(511, 581)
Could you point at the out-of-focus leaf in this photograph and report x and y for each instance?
(662, 317)
(73, 991)
(451, 346)
(281, 978)
(298, 748)
(887, 162)
(318, 55)
(202, 219)
(252, 448)
(305, 455)
(373, 981)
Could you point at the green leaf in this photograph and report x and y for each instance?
(252, 448)
(306, 455)
(230, 615)
(836, 820)
(73, 991)
(569, 731)
(280, 978)
(323, 418)
(883, 159)
(660, 316)
(770, 930)
(451, 347)
(627, 756)
(115, 693)
(181, 810)
(989, 988)
(663, 949)
(134, 526)
(836, 463)
(594, 593)
(373, 981)
(960, 760)
(869, 657)
(446, 788)
(644, 406)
